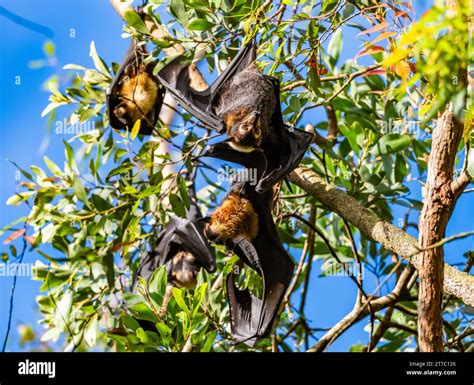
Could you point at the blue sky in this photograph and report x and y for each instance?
(23, 130)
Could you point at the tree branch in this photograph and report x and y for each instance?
(361, 309)
(352, 75)
(459, 184)
(457, 283)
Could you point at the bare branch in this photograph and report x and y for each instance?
(302, 83)
(459, 184)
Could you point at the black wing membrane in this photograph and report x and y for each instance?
(293, 147)
(252, 318)
(285, 148)
(224, 151)
(175, 78)
(180, 234)
(134, 56)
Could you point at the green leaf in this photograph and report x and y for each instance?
(50, 107)
(164, 331)
(122, 169)
(200, 25)
(470, 164)
(48, 232)
(198, 297)
(134, 20)
(15, 200)
(142, 336)
(329, 5)
(335, 46)
(139, 307)
(108, 261)
(74, 67)
(80, 191)
(69, 153)
(26, 174)
(179, 11)
(178, 296)
(183, 192)
(177, 205)
(130, 322)
(98, 62)
(63, 310)
(157, 285)
(53, 167)
(210, 338)
(351, 134)
(92, 330)
(391, 143)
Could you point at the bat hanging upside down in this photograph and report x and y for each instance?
(138, 92)
(246, 106)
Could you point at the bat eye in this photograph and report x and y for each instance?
(245, 128)
(209, 233)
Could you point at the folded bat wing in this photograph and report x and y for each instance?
(291, 153)
(290, 157)
(251, 160)
(285, 149)
(134, 56)
(180, 234)
(252, 318)
(175, 78)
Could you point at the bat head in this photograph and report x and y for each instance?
(243, 127)
(184, 270)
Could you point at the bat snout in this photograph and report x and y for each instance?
(240, 131)
(212, 235)
(246, 131)
(184, 270)
(120, 111)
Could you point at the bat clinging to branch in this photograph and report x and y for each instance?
(135, 93)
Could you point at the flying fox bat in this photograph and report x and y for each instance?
(135, 93)
(246, 104)
(183, 248)
(201, 104)
(244, 223)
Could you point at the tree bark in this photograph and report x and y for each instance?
(437, 203)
